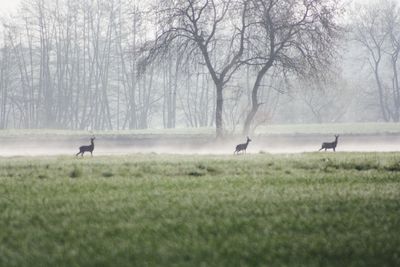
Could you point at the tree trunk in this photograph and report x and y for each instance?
(218, 111)
(396, 88)
(380, 90)
(254, 97)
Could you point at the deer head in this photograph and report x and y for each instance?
(248, 139)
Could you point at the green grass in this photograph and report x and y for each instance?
(272, 129)
(159, 210)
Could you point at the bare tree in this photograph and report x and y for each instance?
(376, 29)
(4, 81)
(393, 50)
(203, 25)
(293, 36)
(327, 101)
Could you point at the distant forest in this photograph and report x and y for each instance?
(228, 64)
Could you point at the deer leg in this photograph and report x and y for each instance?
(91, 153)
(334, 150)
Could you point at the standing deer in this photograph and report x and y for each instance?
(88, 148)
(242, 147)
(331, 145)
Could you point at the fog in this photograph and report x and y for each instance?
(266, 145)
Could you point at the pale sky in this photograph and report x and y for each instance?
(8, 5)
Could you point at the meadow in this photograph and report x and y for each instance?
(375, 128)
(312, 209)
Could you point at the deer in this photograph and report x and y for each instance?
(242, 147)
(331, 145)
(88, 148)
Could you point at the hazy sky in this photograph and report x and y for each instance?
(12, 4)
(8, 5)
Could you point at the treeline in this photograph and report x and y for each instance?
(75, 65)
(126, 64)
(123, 64)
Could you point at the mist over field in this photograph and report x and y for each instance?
(277, 139)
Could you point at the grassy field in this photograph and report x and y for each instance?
(161, 210)
(279, 129)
